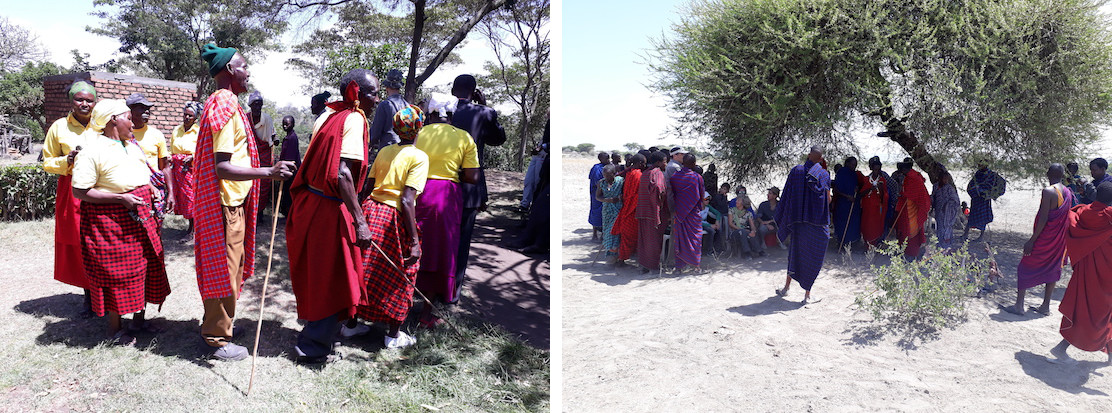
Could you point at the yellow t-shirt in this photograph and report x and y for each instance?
(351, 147)
(184, 142)
(396, 167)
(232, 138)
(153, 142)
(450, 149)
(63, 136)
(111, 166)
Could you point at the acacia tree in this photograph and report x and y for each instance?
(163, 38)
(518, 36)
(458, 17)
(1026, 81)
(17, 46)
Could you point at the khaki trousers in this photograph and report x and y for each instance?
(216, 326)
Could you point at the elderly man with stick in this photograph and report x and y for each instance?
(325, 230)
(226, 166)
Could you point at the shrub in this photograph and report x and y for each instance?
(26, 192)
(929, 291)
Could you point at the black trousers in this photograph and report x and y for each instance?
(317, 337)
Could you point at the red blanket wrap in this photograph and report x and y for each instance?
(326, 267)
(123, 255)
(1087, 304)
(68, 265)
(388, 295)
(211, 257)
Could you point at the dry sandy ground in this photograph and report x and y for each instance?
(722, 341)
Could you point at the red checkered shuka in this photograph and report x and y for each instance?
(212, 263)
(183, 185)
(388, 296)
(123, 256)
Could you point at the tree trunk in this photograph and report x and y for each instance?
(910, 143)
(418, 31)
(523, 137)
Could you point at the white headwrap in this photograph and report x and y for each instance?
(104, 111)
(442, 103)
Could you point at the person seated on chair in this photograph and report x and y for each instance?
(714, 234)
(744, 229)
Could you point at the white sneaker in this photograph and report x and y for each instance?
(360, 329)
(402, 340)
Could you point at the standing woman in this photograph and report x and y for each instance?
(610, 194)
(874, 203)
(946, 205)
(120, 239)
(182, 144)
(63, 141)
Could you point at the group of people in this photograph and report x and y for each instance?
(653, 199)
(356, 206)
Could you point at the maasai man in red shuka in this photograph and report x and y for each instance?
(64, 140)
(325, 229)
(652, 213)
(390, 265)
(226, 165)
(687, 231)
(912, 207)
(874, 203)
(625, 226)
(1045, 252)
(121, 243)
(1087, 305)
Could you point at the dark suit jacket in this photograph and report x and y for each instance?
(482, 123)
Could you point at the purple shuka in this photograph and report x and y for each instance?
(687, 187)
(804, 215)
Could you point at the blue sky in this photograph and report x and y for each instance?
(605, 100)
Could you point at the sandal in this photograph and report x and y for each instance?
(781, 292)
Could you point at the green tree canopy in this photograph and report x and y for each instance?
(163, 38)
(1027, 81)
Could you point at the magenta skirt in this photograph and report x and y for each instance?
(439, 212)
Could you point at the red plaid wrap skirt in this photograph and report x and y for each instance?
(183, 185)
(122, 252)
(388, 296)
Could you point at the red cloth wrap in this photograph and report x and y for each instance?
(123, 256)
(68, 265)
(1087, 304)
(326, 267)
(388, 295)
(213, 279)
(183, 185)
(626, 224)
(912, 228)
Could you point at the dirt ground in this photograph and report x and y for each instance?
(723, 341)
(42, 334)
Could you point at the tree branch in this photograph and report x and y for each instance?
(454, 41)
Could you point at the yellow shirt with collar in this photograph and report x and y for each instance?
(450, 149)
(184, 142)
(153, 142)
(232, 138)
(396, 167)
(63, 136)
(110, 165)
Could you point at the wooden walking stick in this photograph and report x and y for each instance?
(262, 299)
(436, 311)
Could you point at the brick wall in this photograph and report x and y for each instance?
(169, 97)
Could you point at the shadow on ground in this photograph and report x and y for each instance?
(1073, 381)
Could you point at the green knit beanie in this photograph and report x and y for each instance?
(217, 57)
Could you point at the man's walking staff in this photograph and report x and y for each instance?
(262, 298)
